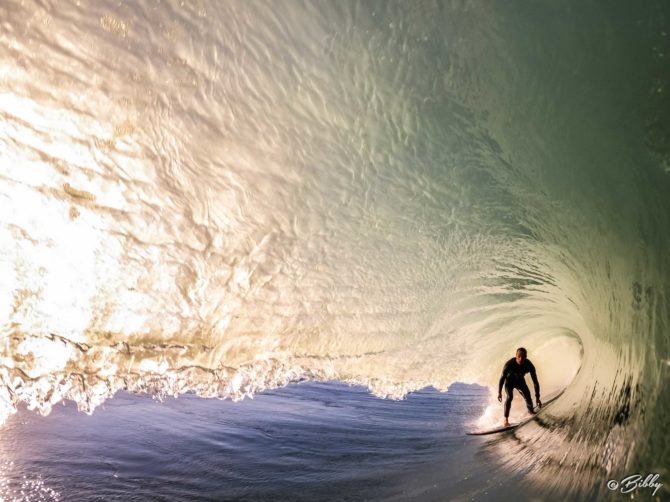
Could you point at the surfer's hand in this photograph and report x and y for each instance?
(539, 403)
(500, 397)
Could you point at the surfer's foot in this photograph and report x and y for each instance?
(506, 424)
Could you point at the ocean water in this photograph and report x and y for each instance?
(312, 441)
(219, 199)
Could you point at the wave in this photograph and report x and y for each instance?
(225, 198)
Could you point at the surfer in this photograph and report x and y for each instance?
(513, 378)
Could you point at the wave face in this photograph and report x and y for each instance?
(228, 197)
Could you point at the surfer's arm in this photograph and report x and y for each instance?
(502, 378)
(536, 384)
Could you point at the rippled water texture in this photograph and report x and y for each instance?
(225, 197)
(312, 441)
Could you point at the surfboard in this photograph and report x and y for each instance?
(513, 426)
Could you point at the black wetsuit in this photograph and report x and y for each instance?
(513, 378)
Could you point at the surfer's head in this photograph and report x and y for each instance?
(521, 354)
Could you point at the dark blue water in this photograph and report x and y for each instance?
(311, 441)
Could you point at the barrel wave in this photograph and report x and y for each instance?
(225, 197)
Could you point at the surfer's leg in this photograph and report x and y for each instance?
(509, 391)
(525, 391)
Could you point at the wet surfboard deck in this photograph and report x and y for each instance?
(513, 426)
